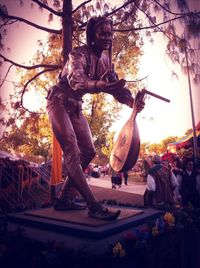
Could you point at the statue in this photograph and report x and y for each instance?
(89, 69)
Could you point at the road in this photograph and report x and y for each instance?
(105, 182)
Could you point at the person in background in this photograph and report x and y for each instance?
(119, 179)
(125, 174)
(116, 178)
(96, 172)
(161, 184)
(88, 171)
(146, 165)
(89, 69)
(190, 185)
(166, 163)
(176, 167)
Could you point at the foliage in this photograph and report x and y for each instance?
(156, 148)
(166, 141)
(175, 225)
(99, 111)
(30, 137)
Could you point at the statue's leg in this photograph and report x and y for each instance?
(67, 128)
(64, 132)
(87, 153)
(59, 118)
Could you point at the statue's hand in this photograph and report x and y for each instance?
(110, 87)
(140, 105)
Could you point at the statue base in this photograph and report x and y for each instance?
(78, 223)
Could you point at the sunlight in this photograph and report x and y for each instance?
(33, 101)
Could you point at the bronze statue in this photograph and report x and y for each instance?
(88, 70)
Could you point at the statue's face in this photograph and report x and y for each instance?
(103, 36)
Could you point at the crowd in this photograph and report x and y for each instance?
(172, 181)
(169, 180)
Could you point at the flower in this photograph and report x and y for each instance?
(130, 236)
(169, 218)
(155, 231)
(118, 250)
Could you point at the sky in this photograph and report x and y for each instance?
(159, 119)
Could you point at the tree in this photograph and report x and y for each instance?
(31, 137)
(128, 24)
(144, 149)
(41, 80)
(166, 141)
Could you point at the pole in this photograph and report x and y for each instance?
(191, 106)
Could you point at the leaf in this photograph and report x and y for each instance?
(21, 3)
(16, 105)
(174, 75)
(56, 3)
(3, 10)
(98, 6)
(50, 17)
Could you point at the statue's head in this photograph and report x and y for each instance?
(99, 33)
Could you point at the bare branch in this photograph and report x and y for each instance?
(7, 22)
(60, 14)
(4, 15)
(83, 24)
(169, 11)
(55, 66)
(150, 19)
(148, 27)
(31, 112)
(80, 5)
(120, 7)
(6, 75)
(29, 81)
(78, 41)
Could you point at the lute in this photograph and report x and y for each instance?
(126, 149)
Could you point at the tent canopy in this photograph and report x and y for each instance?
(184, 140)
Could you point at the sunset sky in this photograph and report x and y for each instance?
(159, 119)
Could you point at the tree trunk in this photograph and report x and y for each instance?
(56, 171)
(67, 29)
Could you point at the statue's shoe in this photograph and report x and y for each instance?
(104, 214)
(61, 205)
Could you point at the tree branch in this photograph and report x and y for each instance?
(148, 27)
(80, 5)
(6, 23)
(6, 75)
(4, 15)
(55, 66)
(60, 14)
(29, 81)
(169, 11)
(150, 19)
(83, 24)
(120, 7)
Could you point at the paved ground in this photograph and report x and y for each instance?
(132, 194)
(105, 182)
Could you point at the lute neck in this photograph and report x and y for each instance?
(134, 113)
